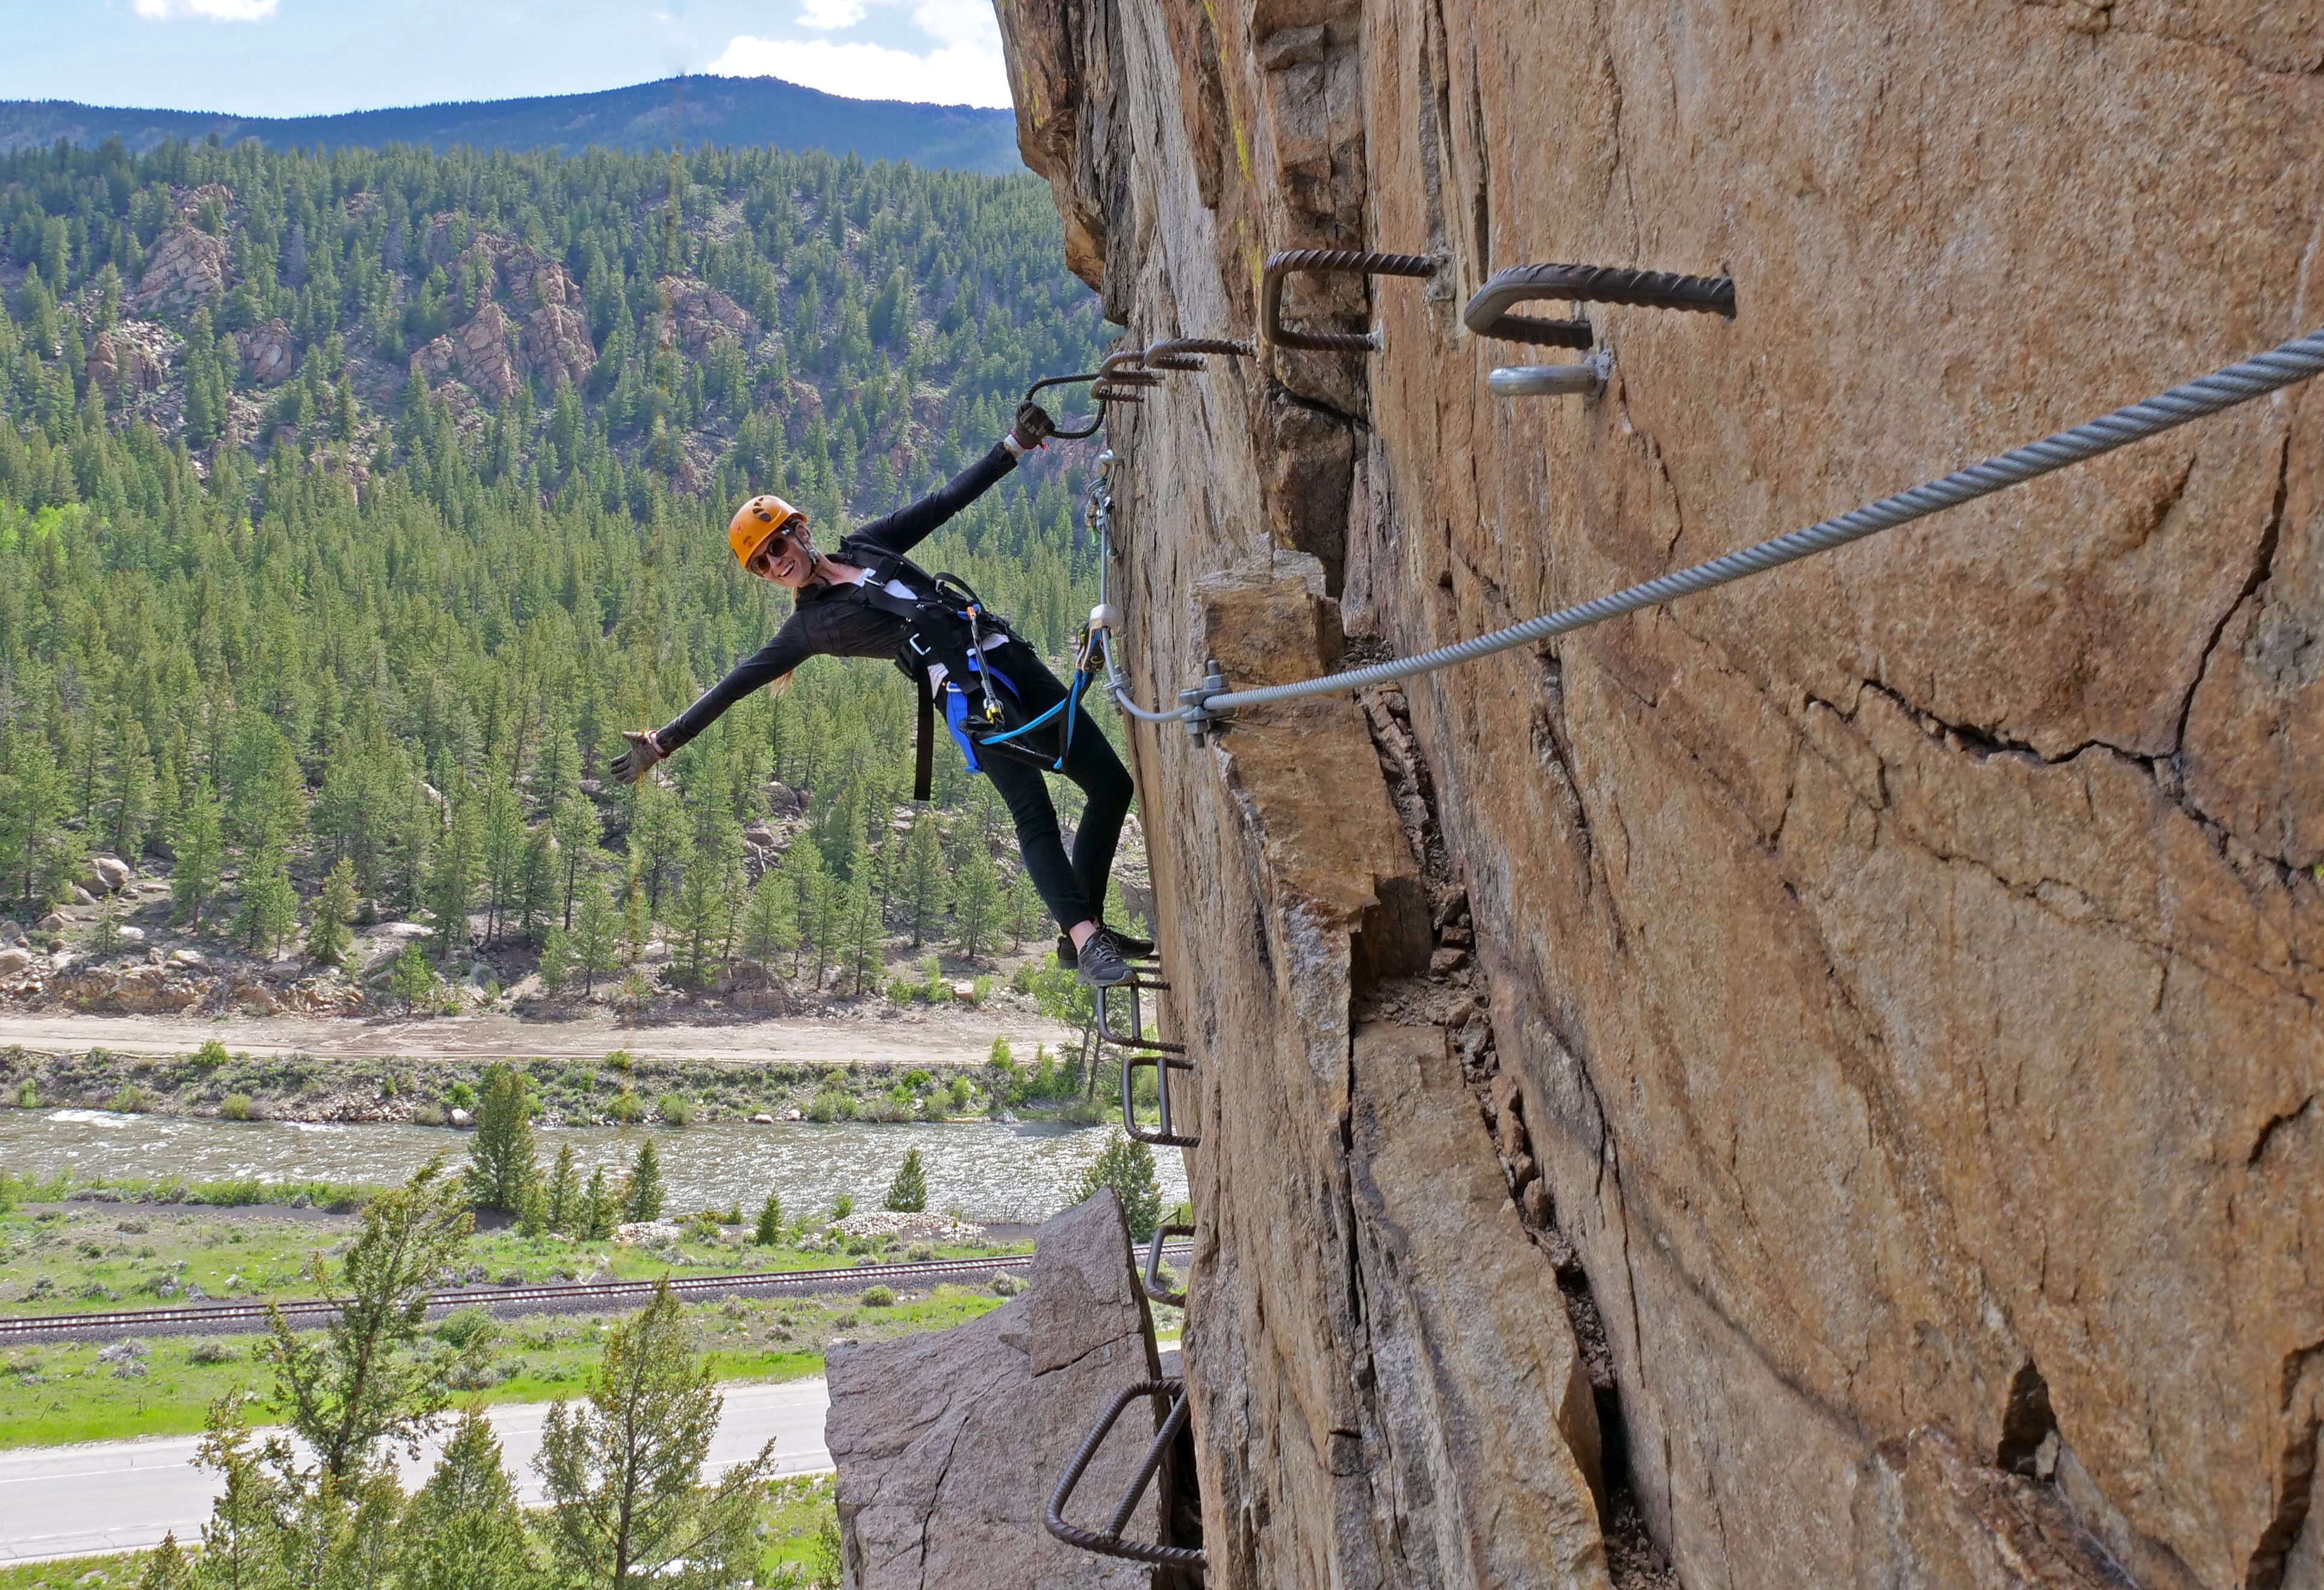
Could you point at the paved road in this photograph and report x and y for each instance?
(125, 1495)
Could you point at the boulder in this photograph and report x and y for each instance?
(762, 1119)
(130, 935)
(187, 267)
(192, 957)
(122, 366)
(83, 895)
(53, 923)
(13, 960)
(270, 354)
(461, 1118)
(947, 1443)
(116, 872)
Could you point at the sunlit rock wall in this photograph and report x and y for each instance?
(1911, 964)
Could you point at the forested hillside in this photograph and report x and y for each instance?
(350, 505)
(643, 118)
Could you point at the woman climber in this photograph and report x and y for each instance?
(1012, 717)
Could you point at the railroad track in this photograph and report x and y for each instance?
(580, 1297)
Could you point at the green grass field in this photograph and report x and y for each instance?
(59, 1393)
(99, 1256)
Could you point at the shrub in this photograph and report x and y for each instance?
(426, 1115)
(675, 1110)
(129, 1099)
(462, 1325)
(211, 1054)
(627, 1108)
(1127, 1166)
(1005, 1285)
(909, 1192)
(619, 1060)
(1000, 1059)
(831, 1105)
(211, 1351)
(842, 1207)
(879, 1297)
(236, 1108)
(461, 1097)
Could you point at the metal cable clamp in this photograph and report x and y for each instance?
(1109, 1541)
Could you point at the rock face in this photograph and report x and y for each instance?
(476, 354)
(947, 1444)
(1909, 967)
(269, 352)
(188, 268)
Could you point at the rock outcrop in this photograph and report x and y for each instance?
(1908, 969)
(270, 354)
(477, 354)
(947, 1444)
(186, 268)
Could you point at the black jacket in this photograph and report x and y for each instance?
(836, 621)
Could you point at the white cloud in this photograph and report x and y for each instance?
(966, 69)
(830, 13)
(207, 10)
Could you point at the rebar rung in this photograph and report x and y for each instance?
(1167, 1136)
(1152, 1278)
(1299, 261)
(1110, 1543)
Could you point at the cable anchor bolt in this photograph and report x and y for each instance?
(1585, 379)
(1200, 721)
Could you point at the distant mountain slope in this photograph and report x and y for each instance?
(702, 110)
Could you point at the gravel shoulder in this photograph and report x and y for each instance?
(943, 1036)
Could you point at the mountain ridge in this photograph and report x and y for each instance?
(633, 120)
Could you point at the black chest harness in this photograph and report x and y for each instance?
(950, 625)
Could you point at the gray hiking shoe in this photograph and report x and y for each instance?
(1101, 965)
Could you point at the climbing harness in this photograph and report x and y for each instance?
(1109, 1541)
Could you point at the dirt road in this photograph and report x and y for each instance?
(947, 1036)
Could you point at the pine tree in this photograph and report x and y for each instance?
(642, 1195)
(564, 1192)
(1126, 1165)
(595, 940)
(864, 940)
(600, 1209)
(327, 938)
(769, 1231)
(411, 979)
(201, 856)
(923, 881)
(976, 900)
(624, 1469)
(502, 856)
(452, 879)
(500, 1154)
(909, 1192)
(1024, 911)
(129, 796)
(464, 1530)
(268, 913)
(770, 920)
(577, 831)
(167, 1569)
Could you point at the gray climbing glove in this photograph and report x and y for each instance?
(1033, 427)
(642, 753)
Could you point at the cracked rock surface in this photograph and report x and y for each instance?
(1910, 964)
(948, 1443)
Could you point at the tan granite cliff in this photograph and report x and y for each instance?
(1890, 1007)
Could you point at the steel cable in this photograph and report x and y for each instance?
(2240, 383)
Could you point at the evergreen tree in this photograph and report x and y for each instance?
(595, 940)
(129, 796)
(363, 1379)
(909, 1192)
(769, 1231)
(167, 1569)
(564, 1192)
(976, 901)
(268, 914)
(770, 920)
(1023, 910)
(464, 1530)
(642, 1194)
(327, 938)
(624, 1469)
(601, 1209)
(576, 830)
(864, 942)
(502, 1163)
(1126, 1165)
(201, 856)
(452, 880)
(923, 881)
(411, 979)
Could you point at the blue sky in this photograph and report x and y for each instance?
(282, 58)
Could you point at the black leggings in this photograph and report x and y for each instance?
(1074, 891)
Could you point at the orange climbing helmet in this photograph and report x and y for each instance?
(761, 516)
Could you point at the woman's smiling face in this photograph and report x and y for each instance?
(783, 557)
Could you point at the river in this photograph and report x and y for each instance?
(988, 1171)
